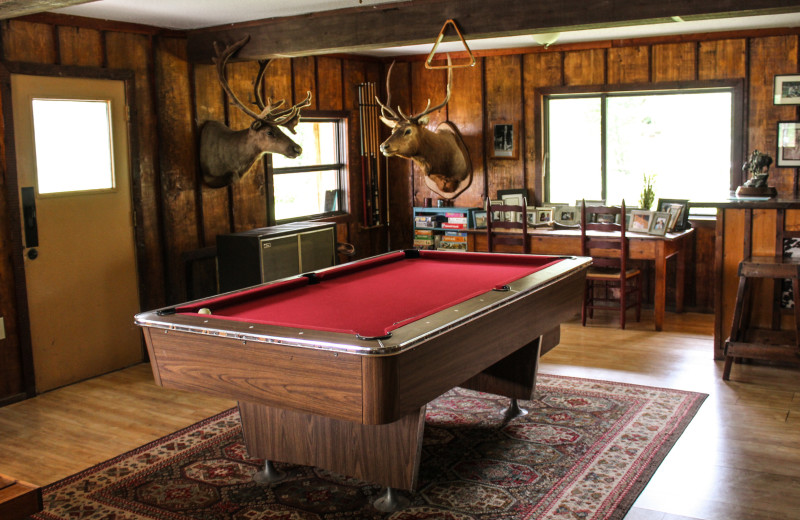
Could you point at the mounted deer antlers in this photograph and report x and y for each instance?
(226, 155)
(441, 155)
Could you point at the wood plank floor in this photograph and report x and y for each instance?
(739, 458)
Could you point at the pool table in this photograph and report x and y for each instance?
(334, 368)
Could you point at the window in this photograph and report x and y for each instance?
(600, 146)
(311, 185)
(76, 160)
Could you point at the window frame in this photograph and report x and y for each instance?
(736, 87)
(341, 118)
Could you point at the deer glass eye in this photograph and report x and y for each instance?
(270, 133)
(407, 132)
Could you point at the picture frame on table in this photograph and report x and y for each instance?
(788, 144)
(531, 215)
(512, 198)
(682, 207)
(660, 223)
(497, 216)
(641, 220)
(567, 215)
(504, 140)
(786, 90)
(480, 219)
(544, 215)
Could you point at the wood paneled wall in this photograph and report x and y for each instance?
(176, 214)
(501, 86)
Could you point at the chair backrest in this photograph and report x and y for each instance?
(603, 235)
(503, 228)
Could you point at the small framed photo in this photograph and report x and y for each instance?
(497, 216)
(480, 219)
(504, 140)
(788, 143)
(641, 220)
(544, 215)
(787, 90)
(567, 215)
(659, 223)
(531, 211)
(679, 206)
(513, 199)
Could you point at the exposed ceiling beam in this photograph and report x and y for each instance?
(14, 8)
(419, 22)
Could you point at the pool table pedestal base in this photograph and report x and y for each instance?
(387, 454)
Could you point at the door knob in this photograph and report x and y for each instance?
(33, 254)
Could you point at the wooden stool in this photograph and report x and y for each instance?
(767, 344)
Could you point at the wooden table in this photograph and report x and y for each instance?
(654, 248)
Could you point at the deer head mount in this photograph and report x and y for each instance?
(441, 154)
(225, 154)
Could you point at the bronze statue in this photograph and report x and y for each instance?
(758, 166)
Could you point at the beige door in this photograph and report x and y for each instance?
(79, 243)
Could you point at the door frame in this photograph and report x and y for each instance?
(12, 190)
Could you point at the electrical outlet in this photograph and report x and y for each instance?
(2, 328)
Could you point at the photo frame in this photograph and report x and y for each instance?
(567, 215)
(682, 221)
(531, 215)
(641, 220)
(512, 199)
(544, 215)
(788, 143)
(660, 223)
(504, 140)
(497, 216)
(786, 90)
(480, 219)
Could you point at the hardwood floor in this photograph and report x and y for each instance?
(738, 459)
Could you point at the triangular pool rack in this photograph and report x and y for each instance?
(439, 38)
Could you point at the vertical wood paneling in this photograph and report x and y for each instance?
(134, 52)
(585, 67)
(504, 103)
(210, 106)
(11, 371)
(674, 62)
(29, 42)
(80, 46)
(540, 70)
(426, 85)
(329, 86)
(723, 59)
(465, 111)
(176, 159)
(628, 65)
(249, 193)
(768, 57)
(305, 81)
(401, 188)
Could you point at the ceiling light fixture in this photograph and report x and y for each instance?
(546, 39)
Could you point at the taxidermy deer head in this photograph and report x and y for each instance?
(225, 154)
(441, 154)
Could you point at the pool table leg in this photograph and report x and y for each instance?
(386, 454)
(515, 375)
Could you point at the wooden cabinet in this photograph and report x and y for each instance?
(18, 499)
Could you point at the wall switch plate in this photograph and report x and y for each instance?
(2, 328)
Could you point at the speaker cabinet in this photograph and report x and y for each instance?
(271, 253)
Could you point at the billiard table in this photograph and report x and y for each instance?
(334, 368)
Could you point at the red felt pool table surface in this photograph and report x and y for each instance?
(371, 298)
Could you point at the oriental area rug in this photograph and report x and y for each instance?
(585, 450)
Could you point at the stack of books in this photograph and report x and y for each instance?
(455, 236)
(423, 239)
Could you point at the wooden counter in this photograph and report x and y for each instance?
(744, 228)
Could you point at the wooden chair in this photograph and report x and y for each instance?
(502, 232)
(750, 342)
(610, 280)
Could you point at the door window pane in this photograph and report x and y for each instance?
(73, 145)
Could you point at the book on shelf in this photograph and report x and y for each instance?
(453, 225)
(457, 220)
(453, 246)
(454, 238)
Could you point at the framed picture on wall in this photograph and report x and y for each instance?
(787, 89)
(504, 140)
(788, 143)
